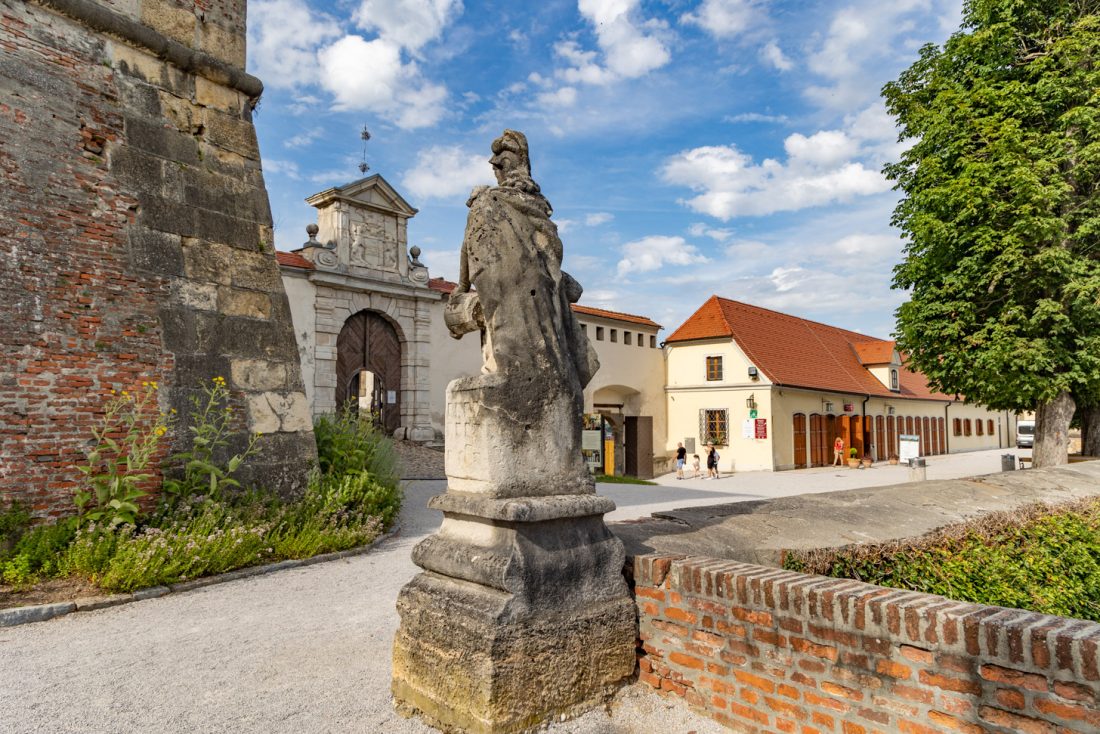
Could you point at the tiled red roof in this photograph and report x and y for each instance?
(442, 285)
(797, 352)
(874, 352)
(293, 260)
(615, 315)
(445, 286)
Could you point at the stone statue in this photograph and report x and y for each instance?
(521, 613)
(537, 359)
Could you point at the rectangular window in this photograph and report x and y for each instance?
(627, 337)
(641, 339)
(713, 427)
(956, 427)
(893, 379)
(714, 369)
(989, 425)
(599, 333)
(980, 427)
(614, 336)
(966, 426)
(652, 342)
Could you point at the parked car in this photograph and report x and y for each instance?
(1025, 434)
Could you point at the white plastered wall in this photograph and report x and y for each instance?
(302, 295)
(688, 392)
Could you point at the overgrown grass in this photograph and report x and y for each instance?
(618, 479)
(353, 498)
(1041, 558)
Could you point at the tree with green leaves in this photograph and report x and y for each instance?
(1001, 211)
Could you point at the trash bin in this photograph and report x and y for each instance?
(918, 469)
(1008, 462)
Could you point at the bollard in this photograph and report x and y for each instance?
(918, 469)
(1008, 462)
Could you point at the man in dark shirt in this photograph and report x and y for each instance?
(681, 459)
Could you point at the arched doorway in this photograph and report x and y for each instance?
(368, 368)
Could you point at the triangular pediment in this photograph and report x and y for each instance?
(372, 192)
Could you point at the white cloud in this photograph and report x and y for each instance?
(774, 55)
(597, 218)
(444, 171)
(656, 251)
(864, 38)
(409, 23)
(562, 97)
(871, 246)
(829, 166)
(726, 18)
(441, 263)
(698, 229)
(630, 46)
(291, 46)
(755, 117)
(283, 36)
(303, 139)
(281, 168)
(391, 88)
(565, 225)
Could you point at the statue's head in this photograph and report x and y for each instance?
(512, 163)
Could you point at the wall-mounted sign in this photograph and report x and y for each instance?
(753, 413)
(909, 445)
(849, 408)
(747, 428)
(761, 428)
(391, 397)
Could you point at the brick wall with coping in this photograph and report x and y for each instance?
(765, 650)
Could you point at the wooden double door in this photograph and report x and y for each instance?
(368, 368)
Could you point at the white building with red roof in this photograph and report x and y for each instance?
(774, 391)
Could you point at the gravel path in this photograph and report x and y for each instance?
(298, 651)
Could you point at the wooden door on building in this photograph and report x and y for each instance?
(882, 449)
(800, 440)
(639, 446)
(891, 437)
(818, 440)
(368, 343)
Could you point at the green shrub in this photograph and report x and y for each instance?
(14, 521)
(37, 553)
(348, 445)
(1039, 558)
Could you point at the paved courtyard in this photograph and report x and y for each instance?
(308, 650)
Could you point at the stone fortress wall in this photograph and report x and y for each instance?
(136, 233)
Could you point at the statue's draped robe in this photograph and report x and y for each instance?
(512, 257)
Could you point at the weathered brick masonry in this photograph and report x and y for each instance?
(766, 650)
(135, 233)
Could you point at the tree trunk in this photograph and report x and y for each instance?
(1090, 430)
(1052, 431)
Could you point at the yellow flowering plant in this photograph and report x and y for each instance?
(211, 428)
(124, 443)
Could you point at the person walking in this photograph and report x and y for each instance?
(681, 459)
(838, 451)
(695, 473)
(712, 461)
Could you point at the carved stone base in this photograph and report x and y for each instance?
(521, 615)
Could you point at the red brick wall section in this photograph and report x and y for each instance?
(765, 650)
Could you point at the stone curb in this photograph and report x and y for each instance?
(43, 612)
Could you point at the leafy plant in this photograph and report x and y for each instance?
(14, 520)
(211, 431)
(126, 441)
(1039, 558)
(853, 453)
(348, 444)
(38, 552)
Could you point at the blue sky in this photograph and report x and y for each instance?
(688, 147)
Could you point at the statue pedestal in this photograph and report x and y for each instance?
(521, 614)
